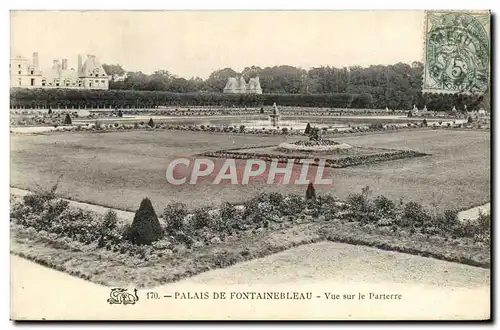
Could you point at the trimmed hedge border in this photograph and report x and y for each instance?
(226, 254)
(62, 97)
(353, 131)
(417, 246)
(335, 163)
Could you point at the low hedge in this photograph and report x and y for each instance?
(38, 97)
(335, 163)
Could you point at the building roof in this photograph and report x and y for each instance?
(231, 84)
(57, 73)
(243, 84)
(92, 66)
(254, 84)
(15, 55)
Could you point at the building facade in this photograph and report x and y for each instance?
(89, 73)
(239, 86)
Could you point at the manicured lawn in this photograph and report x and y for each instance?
(119, 169)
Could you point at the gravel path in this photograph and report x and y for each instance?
(345, 263)
(473, 213)
(33, 129)
(429, 289)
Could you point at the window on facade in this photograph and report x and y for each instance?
(90, 84)
(19, 66)
(44, 82)
(97, 81)
(57, 84)
(18, 72)
(103, 81)
(32, 71)
(19, 81)
(32, 82)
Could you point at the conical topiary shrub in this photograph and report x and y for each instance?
(310, 192)
(151, 122)
(120, 113)
(67, 120)
(145, 228)
(314, 134)
(308, 129)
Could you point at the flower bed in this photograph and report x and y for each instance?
(313, 146)
(337, 162)
(316, 143)
(204, 239)
(331, 133)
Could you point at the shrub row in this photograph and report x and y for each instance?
(227, 111)
(53, 215)
(413, 217)
(45, 212)
(336, 163)
(151, 125)
(150, 99)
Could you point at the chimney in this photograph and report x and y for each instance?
(79, 69)
(35, 60)
(56, 64)
(65, 64)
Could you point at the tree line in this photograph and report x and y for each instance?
(397, 86)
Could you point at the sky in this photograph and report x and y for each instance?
(196, 43)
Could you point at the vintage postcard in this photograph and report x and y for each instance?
(250, 165)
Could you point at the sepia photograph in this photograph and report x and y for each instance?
(250, 165)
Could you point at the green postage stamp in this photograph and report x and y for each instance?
(457, 52)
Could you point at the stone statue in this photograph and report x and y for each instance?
(274, 116)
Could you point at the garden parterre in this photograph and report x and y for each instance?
(94, 167)
(192, 242)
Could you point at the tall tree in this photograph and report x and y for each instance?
(218, 79)
(114, 70)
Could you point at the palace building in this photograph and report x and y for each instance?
(240, 86)
(89, 73)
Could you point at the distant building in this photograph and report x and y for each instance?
(89, 74)
(239, 86)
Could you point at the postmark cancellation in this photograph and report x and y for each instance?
(456, 52)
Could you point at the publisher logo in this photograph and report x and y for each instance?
(186, 170)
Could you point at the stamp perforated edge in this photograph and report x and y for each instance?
(424, 49)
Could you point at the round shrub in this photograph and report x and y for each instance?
(228, 215)
(174, 215)
(201, 218)
(414, 215)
